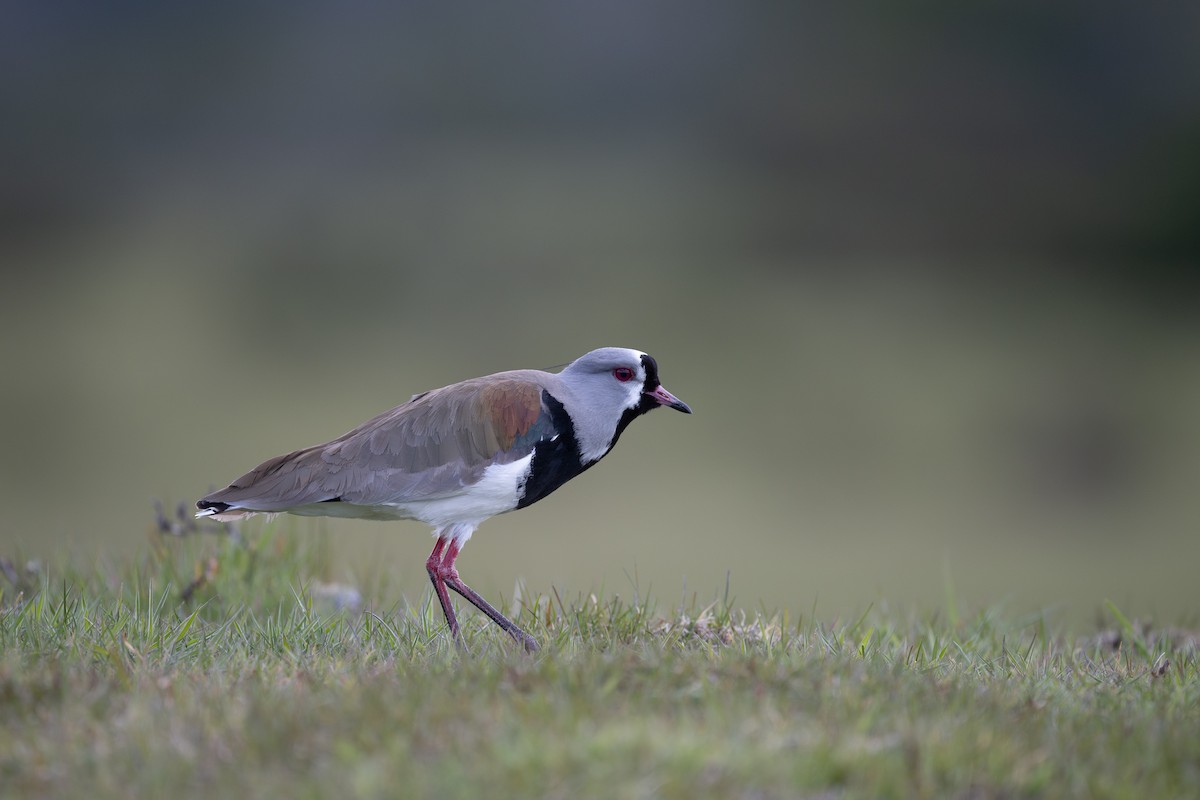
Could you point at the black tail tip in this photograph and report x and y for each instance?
(212, 506)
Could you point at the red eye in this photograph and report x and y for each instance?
(623, 374)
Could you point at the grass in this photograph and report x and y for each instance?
(266, 682)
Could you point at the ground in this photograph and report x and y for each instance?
(225, 667)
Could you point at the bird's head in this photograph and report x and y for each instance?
(613, 386)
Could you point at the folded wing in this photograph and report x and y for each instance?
(433, 446)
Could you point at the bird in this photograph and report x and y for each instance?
(456, 456)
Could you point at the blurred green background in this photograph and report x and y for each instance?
(927, 276)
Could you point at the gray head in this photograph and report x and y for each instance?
(609, 388)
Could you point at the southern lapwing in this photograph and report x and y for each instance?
(454, 456)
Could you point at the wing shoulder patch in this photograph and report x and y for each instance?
(513, 407)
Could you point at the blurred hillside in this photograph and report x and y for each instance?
(926, 275)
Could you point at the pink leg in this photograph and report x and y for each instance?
(433, 567)
(443, 573)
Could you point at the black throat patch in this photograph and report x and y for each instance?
(555, 460)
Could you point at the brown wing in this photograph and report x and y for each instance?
(432, 446)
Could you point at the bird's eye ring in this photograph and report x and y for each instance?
(623, 374)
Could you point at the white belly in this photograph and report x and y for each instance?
(497, 491)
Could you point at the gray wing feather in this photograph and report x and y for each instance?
(433, 446)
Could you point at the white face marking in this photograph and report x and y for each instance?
(636, 385)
